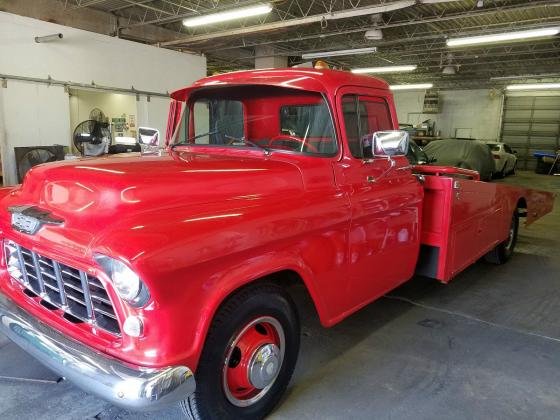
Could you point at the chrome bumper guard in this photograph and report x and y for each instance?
(125, 385)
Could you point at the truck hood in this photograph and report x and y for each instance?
(91, 194)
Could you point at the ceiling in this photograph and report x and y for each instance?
(414, 32)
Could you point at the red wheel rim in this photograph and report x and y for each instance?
(253, 360)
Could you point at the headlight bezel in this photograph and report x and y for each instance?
(117, 270)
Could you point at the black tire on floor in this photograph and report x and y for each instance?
(503, 172)
(513, 169)
(504, 250)
(257, 307)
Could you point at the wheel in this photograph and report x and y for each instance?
(503, 173)
(504, 250)
(249, 356)
(513, 169)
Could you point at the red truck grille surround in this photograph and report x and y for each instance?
(81, 297)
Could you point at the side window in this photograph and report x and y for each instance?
(352, 124)
(507, 148)
(363, 116)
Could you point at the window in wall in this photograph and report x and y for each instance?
(363, 116)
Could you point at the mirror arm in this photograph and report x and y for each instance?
(392, 164)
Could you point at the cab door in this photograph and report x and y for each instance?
(385, 201)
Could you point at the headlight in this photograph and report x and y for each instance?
(126, 282)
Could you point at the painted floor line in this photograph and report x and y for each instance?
(471, 318)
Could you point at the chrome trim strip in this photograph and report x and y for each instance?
(125, 385)
(60, 282)
(87, 297)
(42, 290)
(22, 261)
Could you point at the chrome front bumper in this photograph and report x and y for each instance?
(128, 386)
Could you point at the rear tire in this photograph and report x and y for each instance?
(249, 356)
(501, 174)
(504, 250)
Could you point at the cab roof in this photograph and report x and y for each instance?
(324, 81)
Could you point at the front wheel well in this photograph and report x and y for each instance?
(292, 282)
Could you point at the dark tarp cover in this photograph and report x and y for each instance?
(467, 154)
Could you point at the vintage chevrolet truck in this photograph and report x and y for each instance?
(156, 279)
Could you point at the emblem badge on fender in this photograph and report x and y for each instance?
(29, 219)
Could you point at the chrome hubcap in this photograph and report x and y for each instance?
(253, 361)
(264, 366)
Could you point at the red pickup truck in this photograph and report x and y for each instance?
(156, 279)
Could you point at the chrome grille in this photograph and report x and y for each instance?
(82, 297)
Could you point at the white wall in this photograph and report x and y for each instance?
(33, 114)
(153, 114)
(478, 110)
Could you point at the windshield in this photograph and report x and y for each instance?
(494, 147)
(255, 116)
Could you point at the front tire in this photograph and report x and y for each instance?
(504, 250)
(249, 356)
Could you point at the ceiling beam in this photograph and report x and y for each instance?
(82, 4)
(194, 12)
(324, 17)
(432, 19)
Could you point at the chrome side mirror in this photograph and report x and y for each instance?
(149, 140)
(148, 136)
(390, 143)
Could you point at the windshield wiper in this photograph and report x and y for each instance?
(259, 146)
(187, 141)
(210, 133)
(247, 141)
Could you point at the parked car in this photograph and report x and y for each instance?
(156, 279)
(505, 159)
(466, 154)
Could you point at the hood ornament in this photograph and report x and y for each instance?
(29, 219)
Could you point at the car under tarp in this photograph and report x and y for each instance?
(467, 154)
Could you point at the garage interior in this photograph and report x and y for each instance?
(484, 345)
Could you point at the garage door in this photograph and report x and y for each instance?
(530, 124)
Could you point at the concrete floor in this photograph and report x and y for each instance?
(485, 346)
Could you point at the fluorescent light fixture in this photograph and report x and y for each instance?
(385, 69)
(337, 53)
(534, 86)
(417, 86)
(239, 13)
(526, 76)
(504, 37)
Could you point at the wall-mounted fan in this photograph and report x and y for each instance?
(92, 137)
